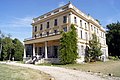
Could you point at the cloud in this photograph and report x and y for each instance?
(61, 4)
(18, 22)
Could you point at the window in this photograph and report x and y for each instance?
(82, 49)
(91, 27)
(40, 51)
(41, 27)
(80, 23)
(47, 24)
(75, 20)
(35, 36)
(94, 29)
(55, 31)
(55, 22)
(86, 35)
(35, 28)
(41, 34)
(97, 30)
(81, 34)
(47, 33)
(85, 26)
(64, 19)
(35, 50)
(65, 29)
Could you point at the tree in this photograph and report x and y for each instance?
(18, 50)
(68, 46)
(7, 48)
(94, 50)
(113, 39)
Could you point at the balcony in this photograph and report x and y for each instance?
(43, 36)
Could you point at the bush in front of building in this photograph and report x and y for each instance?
(68, 46)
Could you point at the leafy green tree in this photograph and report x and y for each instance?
(7, 48)
(68, 46)
(94, 50)
(113, 39)
(18, 50)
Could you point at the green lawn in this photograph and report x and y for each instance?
(103, 67)
(8, 72)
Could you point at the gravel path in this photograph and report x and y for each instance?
(62, 73)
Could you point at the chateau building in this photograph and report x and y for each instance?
(45, 41)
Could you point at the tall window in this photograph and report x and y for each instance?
(75, 20)
(47, 33)
(80, 23)
(41, 26)
(41, 34)
(86, 35)
(81, 34)
(64, 19)
(55, 22)
(82, 49)
(35, 28)
(85, 26)
(97, 30)
(91, 27)
(94, 29)
(48, 25)
(55, 31)
(65, 29)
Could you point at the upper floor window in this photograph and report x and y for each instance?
(35, 28)
(97, 30)
(91, 27)
(55, 22)
(55, 31)
(80, 23)
(94, 29)
(75, 20)
(47, 33)
(48, 25)
(64, 19)
(65, 29)
(85, 26)
(41, 26)
(86, 35)
(81, 34)
(41, 34)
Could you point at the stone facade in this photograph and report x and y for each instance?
(46, 33)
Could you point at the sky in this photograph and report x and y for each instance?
(16, 15)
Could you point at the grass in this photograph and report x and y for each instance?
(112, 67)
(8, 72)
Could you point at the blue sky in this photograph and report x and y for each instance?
(16, 15)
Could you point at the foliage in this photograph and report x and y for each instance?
(18, 50)
(7, 48)
(95, 49)
(10, 48)
(68, 46)
(113, 39)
